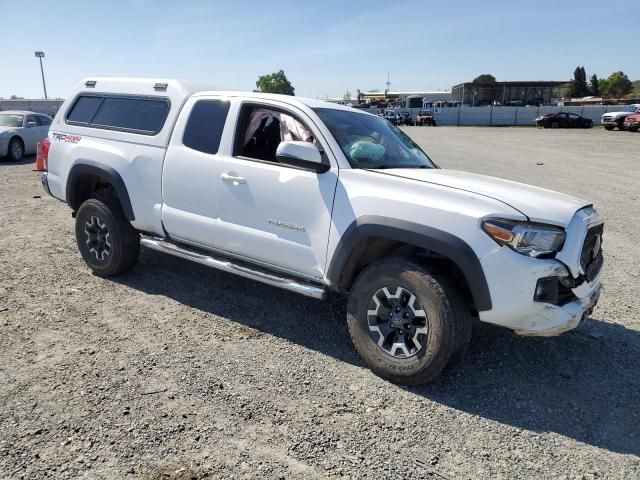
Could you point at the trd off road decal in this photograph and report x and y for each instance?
(61, 137)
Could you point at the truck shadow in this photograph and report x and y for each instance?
(584, 385)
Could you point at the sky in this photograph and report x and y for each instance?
(325, 47)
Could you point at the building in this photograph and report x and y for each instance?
(405, 99)
(510, 93)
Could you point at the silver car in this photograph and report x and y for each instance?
(20, 132)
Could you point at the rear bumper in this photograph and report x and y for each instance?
(45, 182)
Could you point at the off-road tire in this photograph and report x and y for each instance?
(15, 150)
(123, 240)
(448, 321)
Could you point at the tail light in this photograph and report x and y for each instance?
(42, 155)
(46, 144)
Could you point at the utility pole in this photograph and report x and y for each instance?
(388, 83)
(40, 56)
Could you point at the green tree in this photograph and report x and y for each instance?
(594, 86)
(579, 86)
(275, 83)
(484, 79)
(617, 85)
(347, 95)
(636, 87)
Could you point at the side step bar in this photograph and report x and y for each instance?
(228, 266)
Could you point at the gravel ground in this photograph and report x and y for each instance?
(177, 371)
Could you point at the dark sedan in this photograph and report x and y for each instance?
(563, 120)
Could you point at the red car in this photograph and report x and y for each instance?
(632, 122)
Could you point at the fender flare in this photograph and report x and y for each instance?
(429, 238)
(89, 167)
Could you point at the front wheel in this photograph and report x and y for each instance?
(107, 241)
(408, 322)
(608, 128)
(16, 150)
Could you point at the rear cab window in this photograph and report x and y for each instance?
(205, 125)
(134, 114)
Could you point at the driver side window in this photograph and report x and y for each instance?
(261, 129)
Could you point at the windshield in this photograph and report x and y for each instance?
(630, 108)
(371, 142)
(10, 120)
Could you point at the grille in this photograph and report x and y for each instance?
(591, 258)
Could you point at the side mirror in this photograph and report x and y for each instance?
(303, 155)
(32, 124)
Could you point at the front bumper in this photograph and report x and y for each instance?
(512, 280)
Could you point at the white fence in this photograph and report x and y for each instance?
(50, 107)
(505, 116)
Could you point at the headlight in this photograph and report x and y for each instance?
(532, 239)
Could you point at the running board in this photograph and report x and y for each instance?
(228, 266)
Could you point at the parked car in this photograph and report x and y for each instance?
(632, 122)
(405, 118)
(611, 120)
(393, 116)
(20, 132)
(425, 117)
(563, 120)
(315, 197)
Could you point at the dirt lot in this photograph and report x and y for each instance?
(177, 371)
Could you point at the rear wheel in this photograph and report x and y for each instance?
(555, 125)
(608, 127)
(408, 322)
(16, 150)
(107, 241)
(633, 129)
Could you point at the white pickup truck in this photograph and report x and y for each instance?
(610, 120)
(315, 197)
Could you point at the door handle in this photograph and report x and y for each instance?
(232, 178)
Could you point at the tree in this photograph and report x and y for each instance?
(347, 95)
(484, 79)
(594, 86)
(275, 83)
(636, 87)
(617, 85)
(579, 86)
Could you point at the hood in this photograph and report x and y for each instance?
(616, 114)
(539, 204)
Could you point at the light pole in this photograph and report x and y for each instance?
(40, 55)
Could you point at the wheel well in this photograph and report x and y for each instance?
(89, 179)
(89, 185)
(17, 137)
(372, 249)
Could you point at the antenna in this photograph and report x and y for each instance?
(388, 82)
